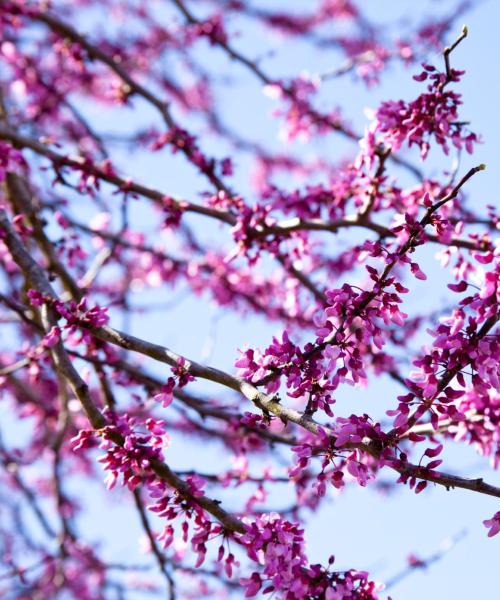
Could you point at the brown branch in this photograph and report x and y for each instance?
(216, 478)
(131, 86)
(364, 213)
(303, 278)
(447, 377)
(449, 481)
(12, 468)
(446, 55)
(273, 406)
(298, 224)
(155, 549)
(20, 198)
(317, 118)
(152, 384)
(444, 426)
(63, 422)
(284, 227)
(86, 166)
(409, 245)
(36, 277)
(268, 405)
(121, 241)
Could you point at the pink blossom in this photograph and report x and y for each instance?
(493, 524)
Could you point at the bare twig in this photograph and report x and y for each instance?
(155, 549)
(424, 563)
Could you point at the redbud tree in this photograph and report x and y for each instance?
(169, 154)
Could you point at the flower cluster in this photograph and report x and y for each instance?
(338, 453)
(74, 313)
(464, 339)
(249, 232)
(301, 120)
(278, 545)
(11, 160)
(181, 140)
(478, 422)
(85, 574)
(172, 506)
(130, 447)
(493, 524)
(211, 28)
(432, 116)
(314, 372)
(181, 377)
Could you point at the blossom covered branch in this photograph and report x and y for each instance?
(141, 182)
